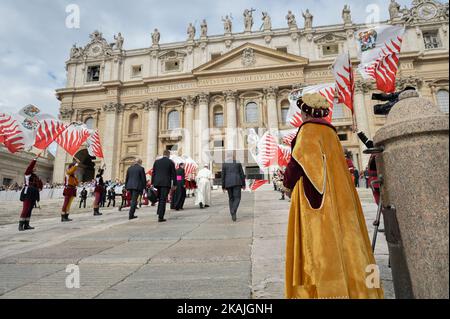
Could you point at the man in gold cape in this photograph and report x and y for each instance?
(328, 249)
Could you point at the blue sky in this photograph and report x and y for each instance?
(35, 43)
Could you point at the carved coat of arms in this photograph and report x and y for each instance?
(248, 57)
(367, 39)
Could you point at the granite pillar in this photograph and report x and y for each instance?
(151, 107)
(109, 139)
(203, 124)
(188, 125)
(231, 124)
(414, 167)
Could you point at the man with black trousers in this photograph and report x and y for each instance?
(135, 183)
(83, 197)
(233, 180)
(164, 177)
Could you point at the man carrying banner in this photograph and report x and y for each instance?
(70, 190)
(327, 249)
(29, 195)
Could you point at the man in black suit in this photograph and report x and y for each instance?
(164, 177)
(233, 180)
(135, 183)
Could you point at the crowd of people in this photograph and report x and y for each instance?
(167, 183)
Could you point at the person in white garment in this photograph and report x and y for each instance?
(203, 180)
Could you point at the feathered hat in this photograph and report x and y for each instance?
(314, 104)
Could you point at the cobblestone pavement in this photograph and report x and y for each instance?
(195, 254)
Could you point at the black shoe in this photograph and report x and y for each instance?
(21, 225)
(161, 220)
(201, 205)
(132, 217)
(27, 226)
(65, 218)
(97, 212)
(233, 217)
(206, 206)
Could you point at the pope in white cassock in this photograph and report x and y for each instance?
(203, 180)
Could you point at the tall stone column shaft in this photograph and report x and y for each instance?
(110, 138)
(59, 166)
(362, 120)
(231, 132)
(152, 107)
(188, 125)
(272, 113)
(203, 125)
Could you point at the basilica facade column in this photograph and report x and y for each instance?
(231, 128)
(152, 107)
(362, 119)
(272, 112)
(110, 138)
(189, 103)
(59, 166)
(203, 128)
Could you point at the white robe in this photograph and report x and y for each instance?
(203, 187)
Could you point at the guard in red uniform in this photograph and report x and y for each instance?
(29, 195)
(98, 191)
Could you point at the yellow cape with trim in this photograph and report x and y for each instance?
(328, 252)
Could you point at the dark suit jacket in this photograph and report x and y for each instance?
(164, 174)
(232, 175)
(135, 179)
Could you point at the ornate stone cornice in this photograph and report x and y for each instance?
(411, 80)
(297, 86)
(113, 107)
(66, 113)
(230, 95)
(134, 106)
(189, 101)
(152, 104)
(271, 92)
(203, 98)
(362, 86)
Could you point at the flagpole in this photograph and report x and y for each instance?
(352, 82)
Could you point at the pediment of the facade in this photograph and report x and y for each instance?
(250, 57)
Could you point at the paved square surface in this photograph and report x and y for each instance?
(195, 254)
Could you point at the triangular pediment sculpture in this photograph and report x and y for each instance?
(249, 57)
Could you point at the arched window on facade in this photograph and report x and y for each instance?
(284, 111)
(442, 100)
(251, 112)
(90, 123)
(133, 125)
(218, 116)
(338, 111)
(173, 120)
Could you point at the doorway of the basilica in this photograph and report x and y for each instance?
(86, 170)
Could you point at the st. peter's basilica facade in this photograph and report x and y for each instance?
(199, 97)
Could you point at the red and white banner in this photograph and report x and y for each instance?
(267, 150)
(257, 183)
(47, 132)
(379, 49)
(345, 82)
(294, 116)
(73, 137)
(288, 137)
(190, 166)
(284, 155)
(17, 132)
(94, 146)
